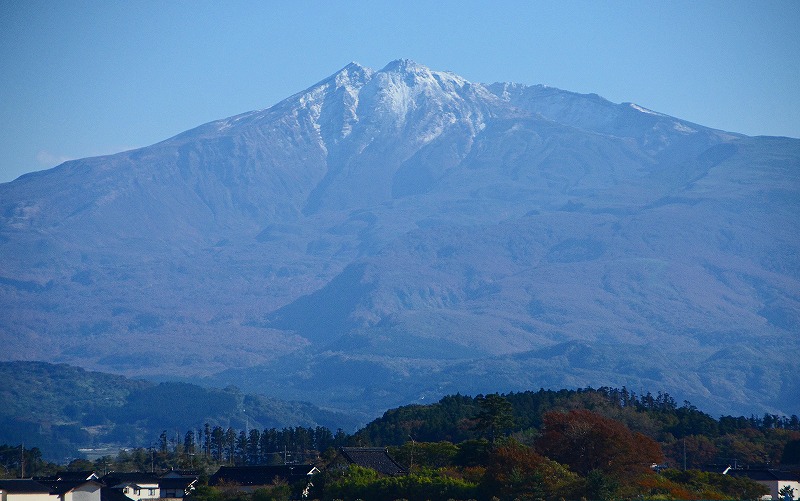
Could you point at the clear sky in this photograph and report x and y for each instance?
(84, 78)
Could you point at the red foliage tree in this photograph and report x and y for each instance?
(516, 471)
(586, 441)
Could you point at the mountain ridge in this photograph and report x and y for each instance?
(416, 225)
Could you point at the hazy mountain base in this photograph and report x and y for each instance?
(735, 378)
(59, 408)
(421, 228)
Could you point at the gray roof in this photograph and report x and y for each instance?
(376, 458)
(136, 477)
(64, 486)
(765, 475)
(23, 486)
(77, 475)
(176, 483)
(262, 474)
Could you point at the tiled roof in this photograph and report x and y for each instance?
(23, 486)
(765, 475)
(137, 477)
(64, 486)
(181, 474)
(376, 458)
(76, 475)
(175, 483)
(261, 475)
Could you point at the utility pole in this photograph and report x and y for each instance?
(22, 460)
(684, 453)
(411, 466)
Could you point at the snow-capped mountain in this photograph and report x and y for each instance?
(389, 235)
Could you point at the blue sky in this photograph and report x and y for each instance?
(85, 78)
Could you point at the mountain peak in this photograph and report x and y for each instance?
(419, 73)
(405, 66)
(351, 74)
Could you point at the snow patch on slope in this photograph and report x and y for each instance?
(683, 128)
(644, 110)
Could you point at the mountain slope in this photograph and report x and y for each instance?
(389, 235)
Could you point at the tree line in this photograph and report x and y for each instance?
(687, 435)
(252, 447)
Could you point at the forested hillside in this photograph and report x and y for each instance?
(755, 441)
(59, 408)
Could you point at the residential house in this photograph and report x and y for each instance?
(135, 485)
(74, 490)
(176, 484)
(176, 487)
(50, 489)
(775, 480)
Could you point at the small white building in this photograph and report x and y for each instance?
(138, 491)
(136, 486)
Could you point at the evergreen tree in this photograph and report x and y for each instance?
(496, 416)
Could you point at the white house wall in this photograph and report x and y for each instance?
(39, 496)
(89, 492)
(775, 488)
(146, 491)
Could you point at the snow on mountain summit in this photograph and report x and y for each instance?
(359, 104)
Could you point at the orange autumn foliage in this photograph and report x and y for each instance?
(586, 441)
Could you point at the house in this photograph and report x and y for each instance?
(24, 490)
(175, 484)
(376, 458)
(135, 485)
(774, 480)
(74, 490)
(176, 487)
(250, 478)
(50, 490)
